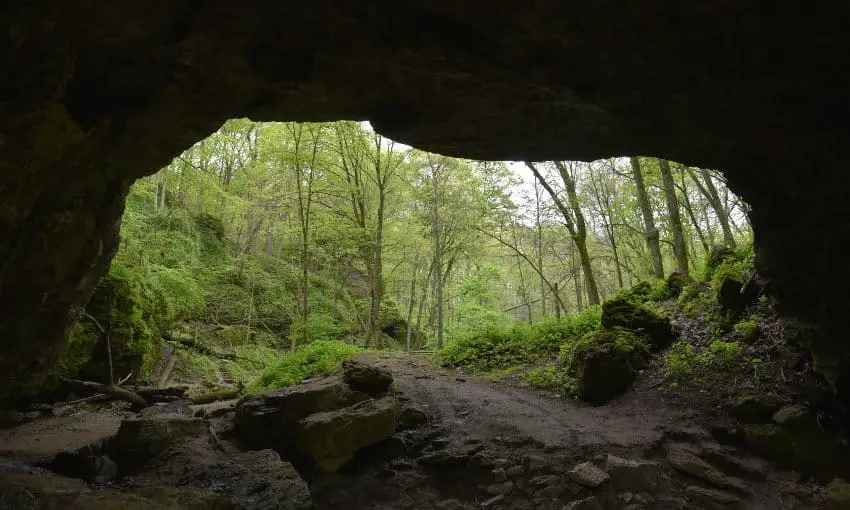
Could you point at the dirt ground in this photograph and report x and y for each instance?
(477, 427)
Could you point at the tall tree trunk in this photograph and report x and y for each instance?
(557, 304)
(164, 189)
(156, 191)
(675, 219)
(686, 202)
(539, 226)
(577, 228)
(652, 235)
(410, 308)
(709, 191)
(438, 259)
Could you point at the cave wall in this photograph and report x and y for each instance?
(95, 95)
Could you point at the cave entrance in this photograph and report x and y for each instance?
(266, 237)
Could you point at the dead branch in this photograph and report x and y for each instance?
(110, 389)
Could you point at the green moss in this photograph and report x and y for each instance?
(604, 363)
(621, 312)
(748, 330)
(317, 358)
(552, 377)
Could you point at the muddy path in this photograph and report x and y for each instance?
(479, 444)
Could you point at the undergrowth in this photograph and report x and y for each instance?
(317, 358)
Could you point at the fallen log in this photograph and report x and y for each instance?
(120, 393)
(203, 349)
(217, 395)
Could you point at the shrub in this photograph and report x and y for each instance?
(747, 329)
(552, 377)
(696, 300)
(194, 365)
(316, 358)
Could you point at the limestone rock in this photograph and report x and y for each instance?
(633, 475)
(269, 420)
(588, 475)
(591, 503)
(186, 497)
(369, 379)
(515, 472)
(689, 463)
(712, 499)
(500, 489)
(838, 495)
(676, 282)
(620, 312)
(606, 362)
(332, 438)
(754, 409)
(499, 475)
(140, 439)
(730, 297)
(411, 417)
(796, 441)
(256, 479)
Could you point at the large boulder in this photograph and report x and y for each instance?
(795, 440)
(332, 438)
(676, 282)
(366, 378)
(625, 313)
(269, 420)
(256, 479)
(141, 439)
(606, 362)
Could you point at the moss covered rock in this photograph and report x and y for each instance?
(838, 495)
(606, 362)
(717, 256)
(795, 440)
(621, 312)
(332, 438)
(141, 439)
(269, 420)
(676, 282)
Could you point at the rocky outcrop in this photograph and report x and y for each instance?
(332, 438)
(269, 420)
(625, 313)
(794, 439)
(369, 379)
(605, 363)
(140, 439)
(95, 97)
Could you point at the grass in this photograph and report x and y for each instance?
(317, 358)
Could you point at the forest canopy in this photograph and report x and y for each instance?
(267, 237)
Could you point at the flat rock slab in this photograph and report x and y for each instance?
(268, 420)
(588, 475)
(633, 475)
(332, 438)
(687, 462)
(712, 499)
(38, 442)
(141, 439)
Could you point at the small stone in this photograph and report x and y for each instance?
(141, 439)
(492, 501)
(501, 463)
(588, 475)
(503, 488)
(515, 471)
(796, 490)
(543, 480)
(838, 495)
(460, 379)
(712, 499)
(534, 462)
(790, 416)
(688, 463)
(627, 497)
(591, 503)
(481, 460)
(552, 491)
(637, 476)
(499, 475)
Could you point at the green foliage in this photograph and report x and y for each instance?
(624, 340)
(682, 360)
(696, 299)
(78, 350)
(738, 266)
(316, 358)
(551, 377)
(497, 347)
(194, 365)
(747, 329)
(251, 360)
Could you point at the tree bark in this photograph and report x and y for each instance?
(679, 246)
(438, 258)
(652, 235)
(577, 228)
(709, 191)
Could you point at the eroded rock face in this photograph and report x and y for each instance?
(95, 96)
